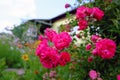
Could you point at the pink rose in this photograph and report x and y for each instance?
(64, 58)
(90, 59)
(93, 74)
(89, 11)
(95, 38)
(50, 33)
(82, 24)
(118, 77)
(84, 11)
(41, 47)
(49, 58)
(41, 38)
(88, 47)
(97, 13)
(94, 52)
(48, 55)
(67, 5)
(106, 48)
(99, 79)
(81, 12)
(62, 40)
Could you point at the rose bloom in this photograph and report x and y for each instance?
(90, 59)
(81, 12)
(106, 48)
(41, 47)
(89, 11)
(97, 13)
(41, 38)
(67, 5)
(95, 38)
(93, 74)
(88, 47)
(118, 77)
(99, 78)
(62, 40)
(82, 24)
(49, 58)
(94, 52)
(64, 58)
(50, 33)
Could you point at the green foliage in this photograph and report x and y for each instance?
(18, 31)
(110, 24)
(10, 54)
(2, 63)
(9, 76)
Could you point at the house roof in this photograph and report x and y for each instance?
(52, 20)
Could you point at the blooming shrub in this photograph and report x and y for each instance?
(85, 15)
(98, 23)
(94, 58)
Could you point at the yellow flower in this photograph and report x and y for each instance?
(25, 57)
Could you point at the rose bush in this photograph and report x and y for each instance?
(98, 27)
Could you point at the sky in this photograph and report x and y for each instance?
(14, 12)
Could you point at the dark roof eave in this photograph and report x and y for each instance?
(52, 20)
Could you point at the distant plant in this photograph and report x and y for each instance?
(26, 31)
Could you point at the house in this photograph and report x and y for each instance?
(54, 22)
